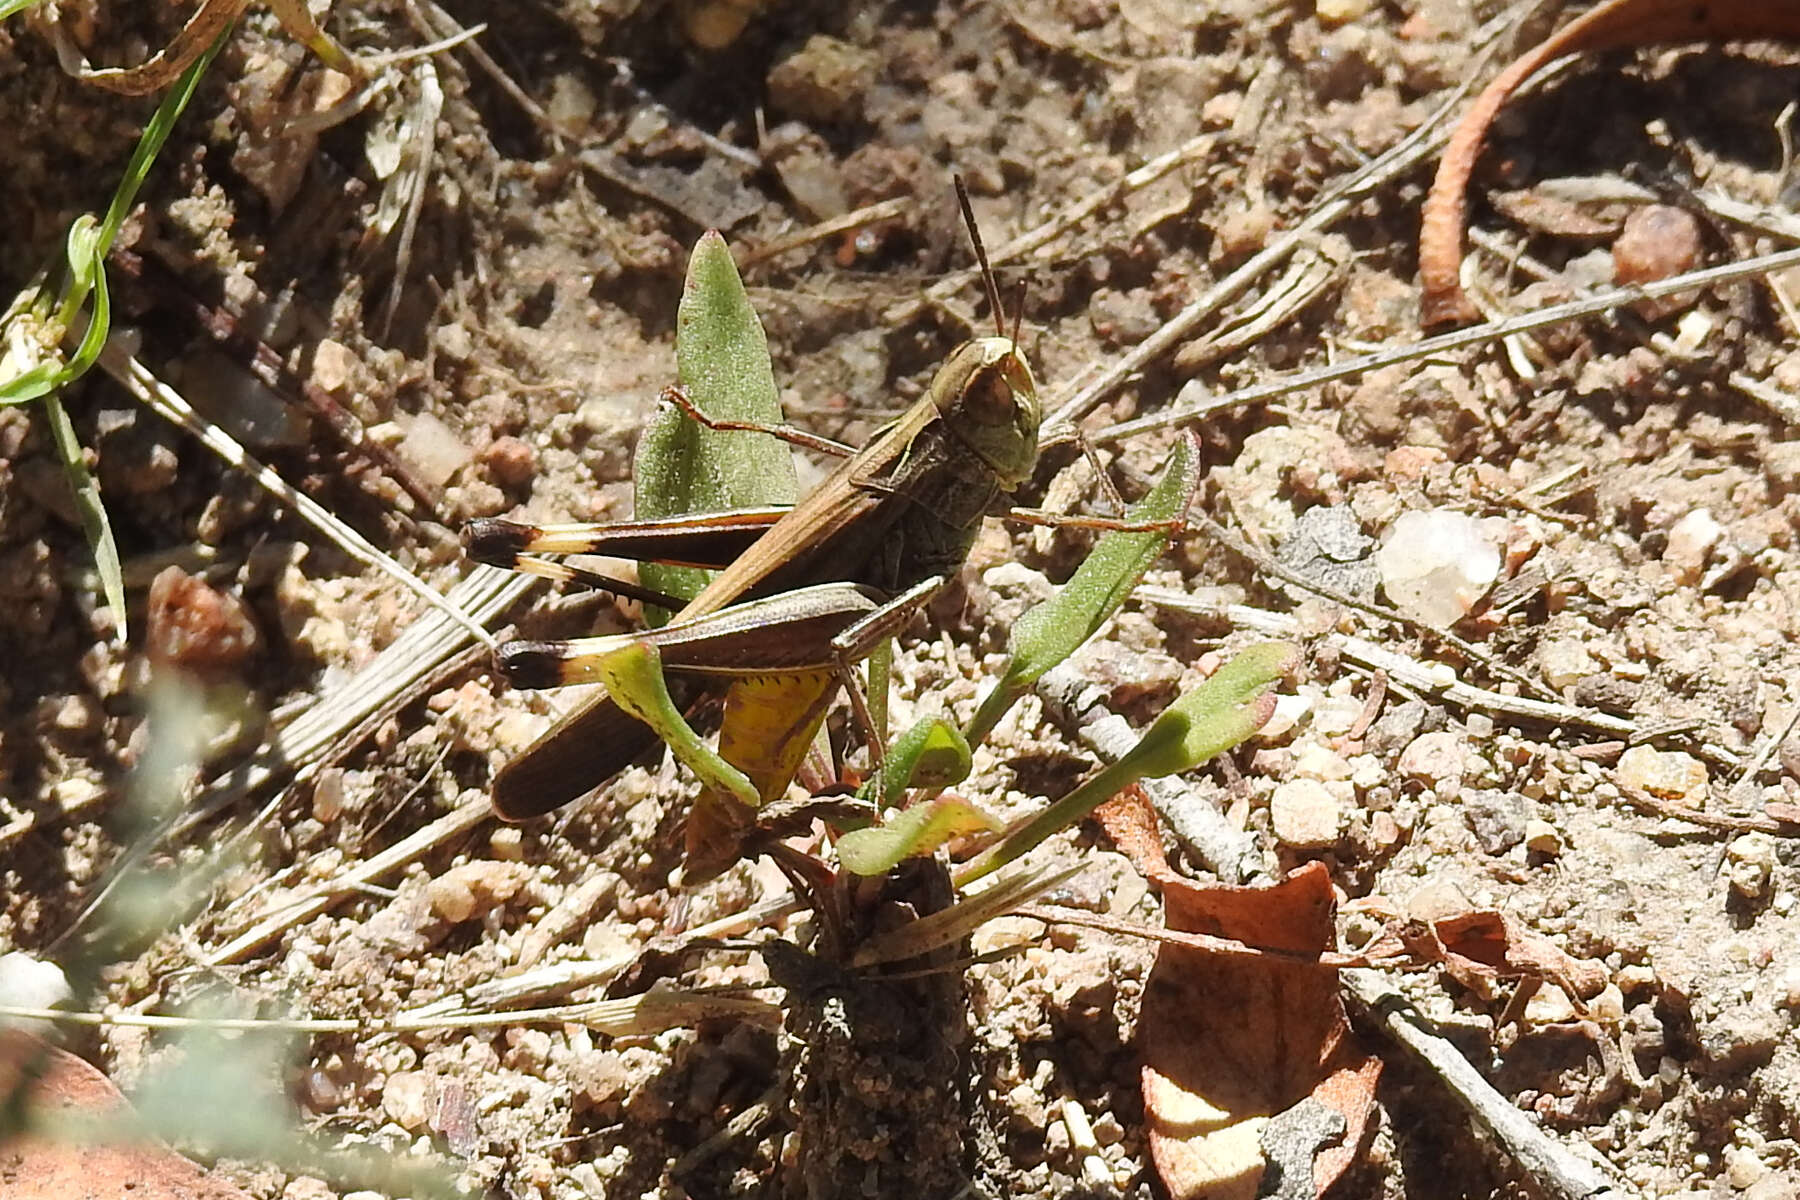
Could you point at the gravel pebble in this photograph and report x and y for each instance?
(1436, 760)
(1665, 774)
(1305, 813)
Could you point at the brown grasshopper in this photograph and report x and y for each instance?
(801, 591)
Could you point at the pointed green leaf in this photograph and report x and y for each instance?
(932, 754)
(910, 833)
(722, 359)
(1049, 632)
(1211, 719)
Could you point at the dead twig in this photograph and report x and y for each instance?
(1644, 802)
(260, 358)
(1617, 23)
(1340, 201)
(883, 210)
(446, 828)
(1433, 347)
(1557, 1169)
(1429, 679)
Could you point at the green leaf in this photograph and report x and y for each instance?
(91, 510)
(88, 243)
(911, 833)
(1230, 706)
(932, 754)
(1050, 632)
(634, 679)
(722, 359)
(1211, 718)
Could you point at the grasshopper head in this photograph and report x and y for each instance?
(987, 395)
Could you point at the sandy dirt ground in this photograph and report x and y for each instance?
(475, 261)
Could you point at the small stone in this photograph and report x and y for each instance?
(527, 1049)
(433, 449)
(334, 367)
(406, 1099)
(507, 843)
(600, 1079)
(1333, 13)
(27, 982)
(1435, 759)
(1656, 242)
(1337, 715)
(1499, 820)
(510, 460)
(1327, 545)
(1305, 814)
(1549, 1005)
(194, 626)
(1741, 1038)
(1437, 900)
(1564, 661)
(471, 889)
(1436, 565)
(1290, 707)
(1665, 774)
(824, 81)
(1789, 995)
(1691, 541)
(328, 795)
(1773, 1186)
(1743, 1168)
(1397, 726)
(1608, 1006)
(1320, 762)
(1541, 837)
(1749, 866)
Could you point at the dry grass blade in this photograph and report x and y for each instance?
(631, 1016)
(949, 926)
(297, 748)
(1474, 335)
(559, 979)
(319, 899)
(169, 404)
(209, 21)
(1344, 198)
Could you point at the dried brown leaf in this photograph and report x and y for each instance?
(36, 1165)
(1230, 1043)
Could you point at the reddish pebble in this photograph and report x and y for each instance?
(1658, 241)
(510, 460)
(193, 625)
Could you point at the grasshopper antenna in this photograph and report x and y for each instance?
(987, 272)
(1018, 312)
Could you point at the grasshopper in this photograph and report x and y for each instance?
(800, 591)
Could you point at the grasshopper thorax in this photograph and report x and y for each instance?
(987, 397)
